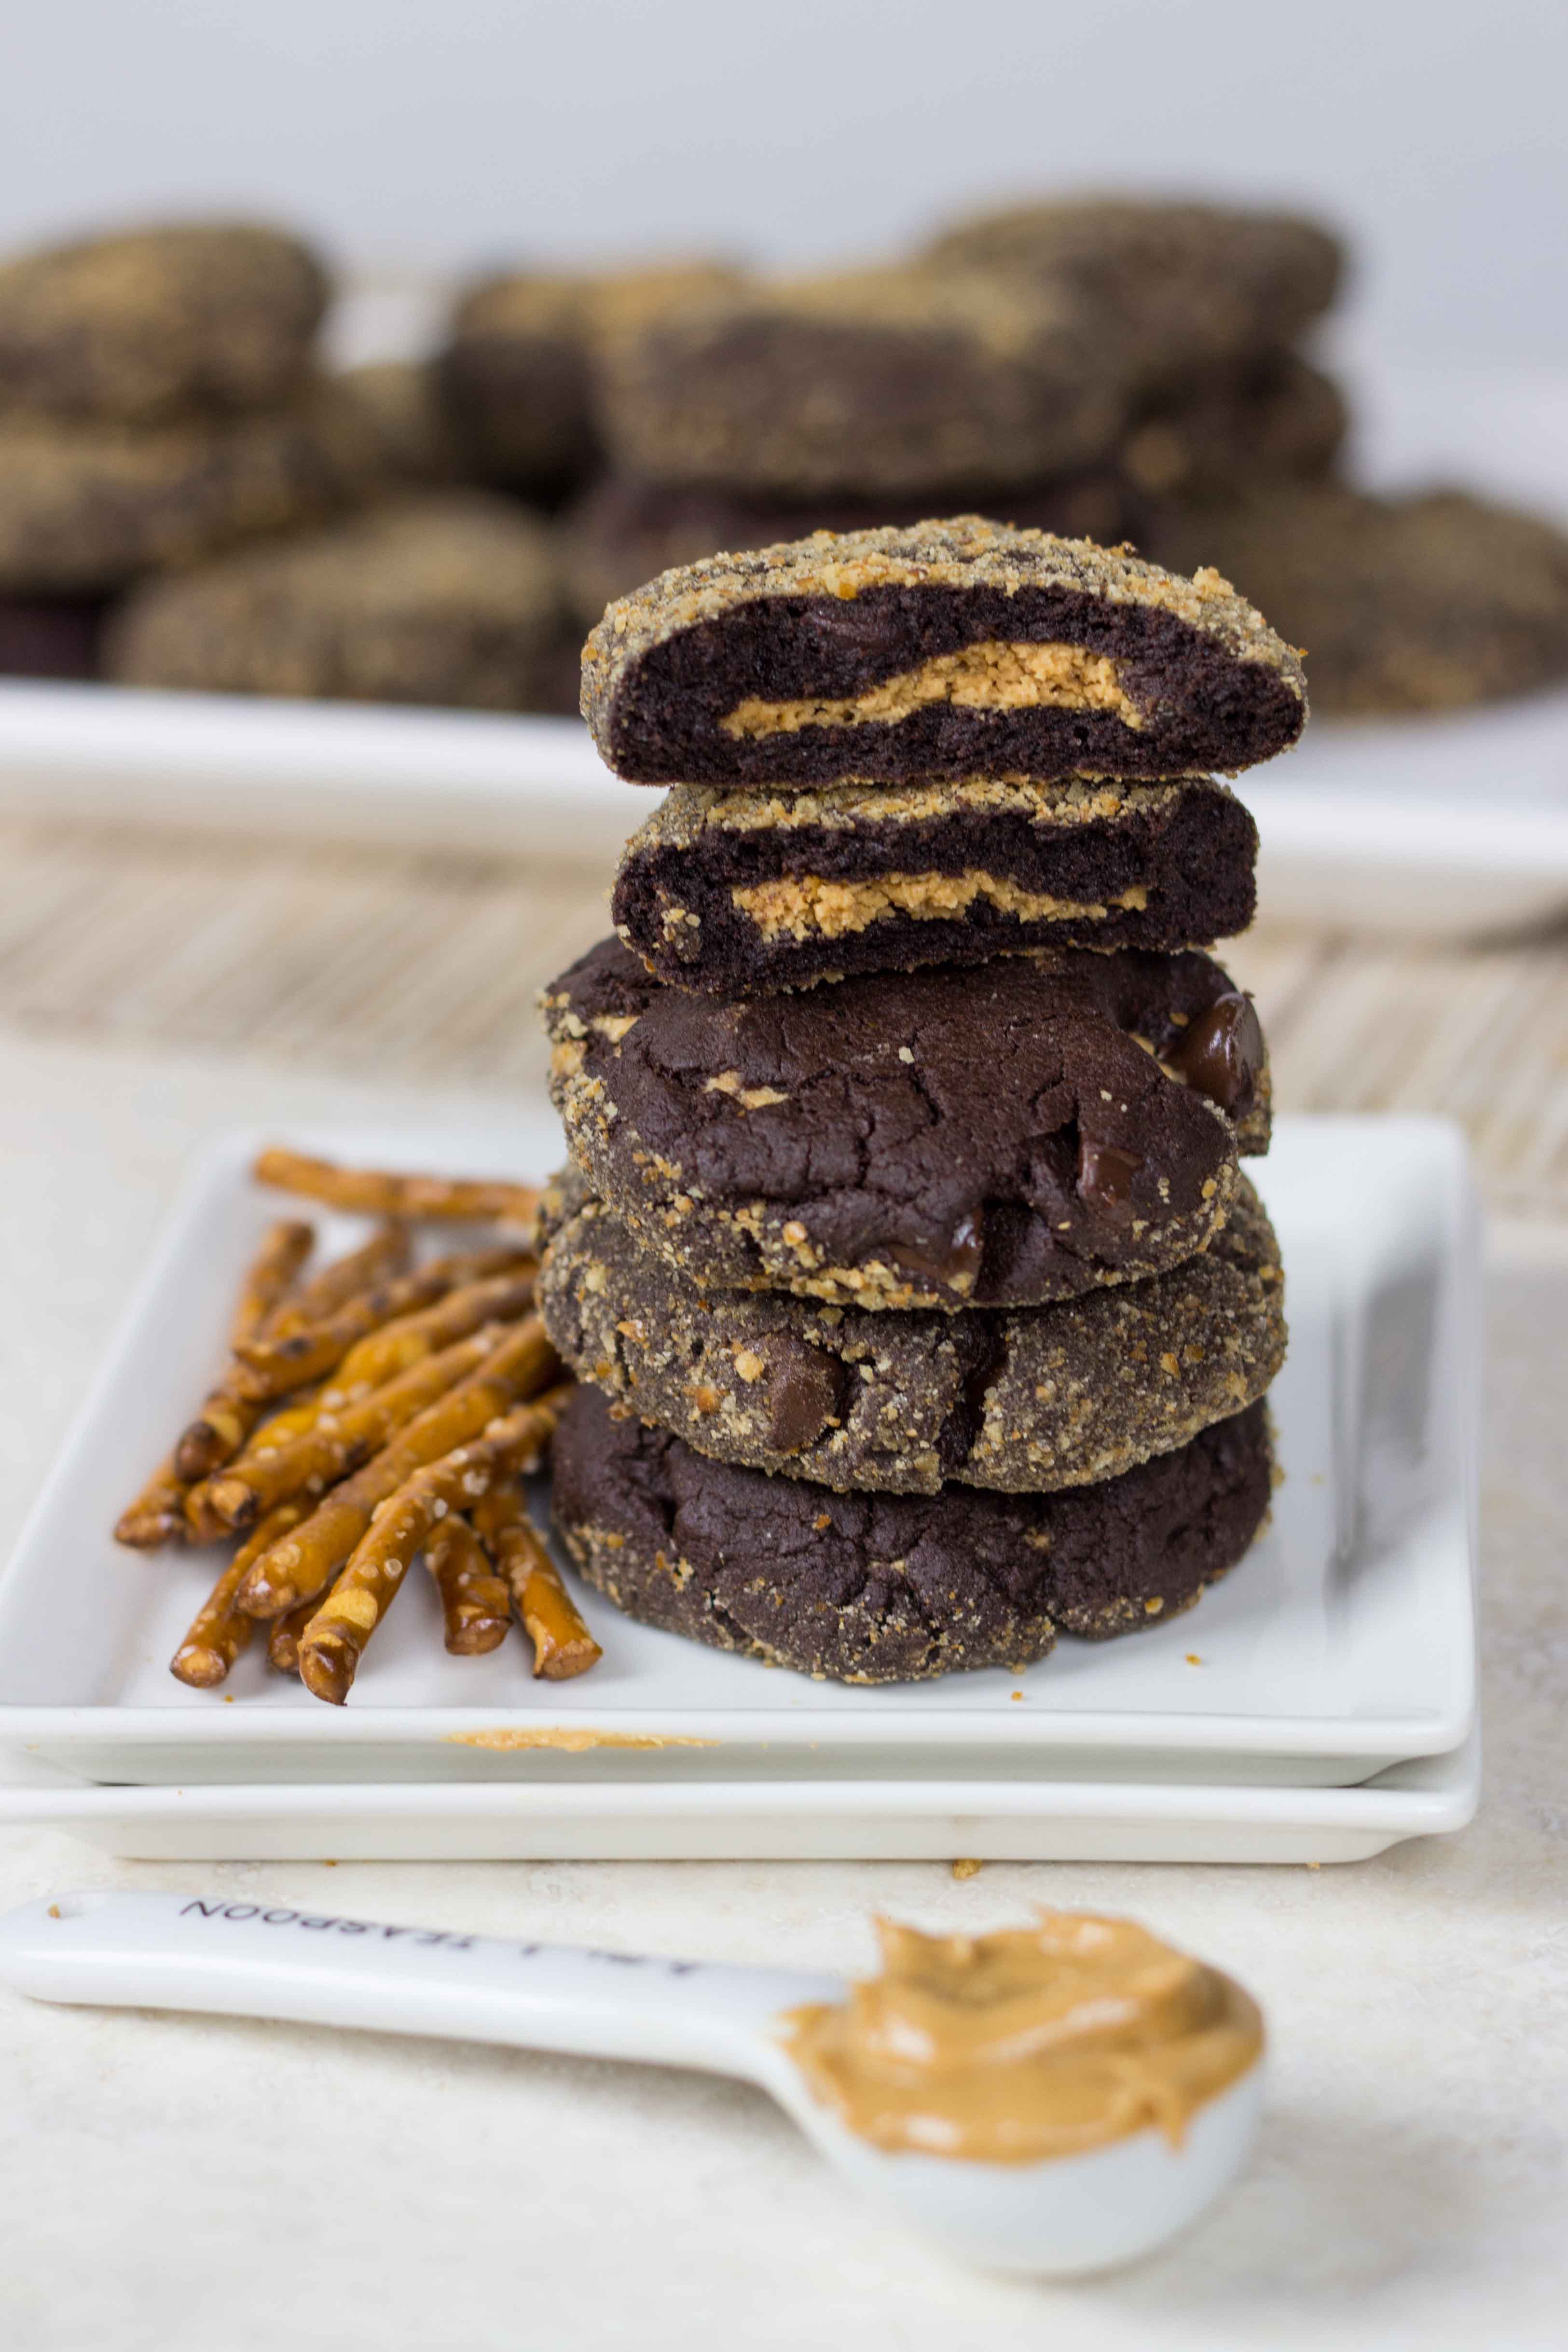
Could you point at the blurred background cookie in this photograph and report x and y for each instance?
(152, 325)
(519, 370)
(1179, 285)
(89, 507)
(1426, 603)
(878, 383)
(451, 598)
(410, 439)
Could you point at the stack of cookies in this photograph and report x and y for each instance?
(922, 1309)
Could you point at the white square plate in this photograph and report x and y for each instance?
(783, 1820)
(1343, 1642)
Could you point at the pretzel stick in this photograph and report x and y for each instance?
(335, 1639)
(562, 1645)
(219, 1632)
(476, 1603)
(157, 1514)
(271, 1367)
(157, 1517)
(389, 1251)
(283, 1636)
(307, 1561)
(278, 1430)
(229, 1413)
(383, 1193)
(289, 1421)
(285, 1246)
(385, 1353)
(338, 1441)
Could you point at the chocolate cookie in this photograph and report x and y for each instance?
(738, 893)
(410, 440)
(50, 636)
(1006, 1134)
(1023, 1398)
(896, 1588)
(1267, 420)
(159, 325)
(518, 375)
(1178, 285)
(883, 383)
(956, 649)
(1415, 603)
(625, 531)
(86, 508)
(451, 598)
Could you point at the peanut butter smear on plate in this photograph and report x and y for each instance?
(1028, 2043)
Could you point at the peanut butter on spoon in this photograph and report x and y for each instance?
(1029, 2043)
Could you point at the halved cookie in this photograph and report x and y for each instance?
(742, 892)
(954, 648)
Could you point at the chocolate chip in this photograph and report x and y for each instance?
(1221, 1052)
(1105, 1176)
(801, 1393)
(955, 1264)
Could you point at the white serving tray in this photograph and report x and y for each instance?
(1452, 824)
(783, 1820)
(1344, 1642)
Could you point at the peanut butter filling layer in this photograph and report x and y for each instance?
(808, 906)
(1029, 2043)
(996, 675)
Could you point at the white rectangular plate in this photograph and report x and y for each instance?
(783, 1820)
(1344, 1641)
(1447, 823)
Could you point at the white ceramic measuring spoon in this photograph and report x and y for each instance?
(1068, 2215)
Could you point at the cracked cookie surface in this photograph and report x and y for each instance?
(1024, 1398)
(1006, 1134)
(896, 1588)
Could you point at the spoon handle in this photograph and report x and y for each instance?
(320, 1968)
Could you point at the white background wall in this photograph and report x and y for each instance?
(448, 132)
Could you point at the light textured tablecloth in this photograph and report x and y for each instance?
(185, 2184)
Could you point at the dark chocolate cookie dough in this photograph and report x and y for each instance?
(739, 893)
(1229, 430)
(85, 508)
(519, 372)
(1417, 603)
(896, 1588)
(1022, 1399)
(878, 383)
(159, 325)
(1179, 285)
(1005, 1134)
(451, 598)
(409, 440)
(50, 636)
(625, 531)
(952, 649)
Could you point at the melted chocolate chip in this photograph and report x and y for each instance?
(1221, 1052)
(801, 1393)
(955, 1264)
(1105, 1176)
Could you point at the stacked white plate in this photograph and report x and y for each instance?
(1319, 1706)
